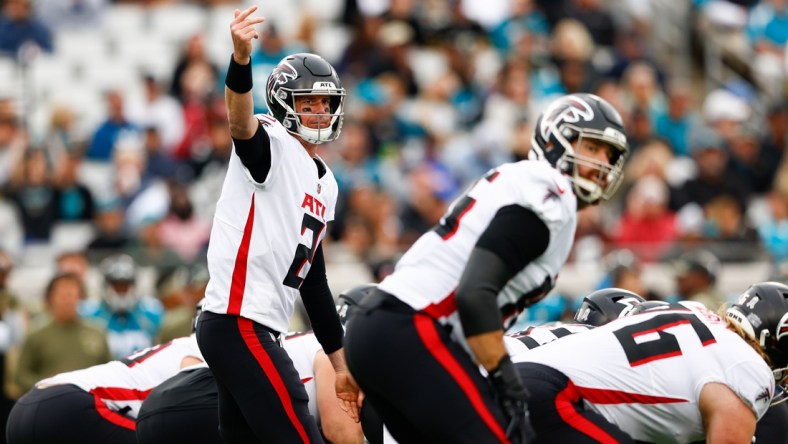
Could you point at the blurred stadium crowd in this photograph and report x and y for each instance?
(114, 139)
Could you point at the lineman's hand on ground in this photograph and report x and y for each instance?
(350, 396)
(242, 29)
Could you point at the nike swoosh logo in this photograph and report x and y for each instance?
(305, 380)
(560, 190)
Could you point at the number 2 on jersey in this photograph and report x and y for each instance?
(303, 254)
(665, 345)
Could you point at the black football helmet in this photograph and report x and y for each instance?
(351, 298)
(574, 117)
(762, 312)
(649, 306)
(605, 305)
(652, 306)
(305, 74)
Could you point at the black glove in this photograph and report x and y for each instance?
(512, 396)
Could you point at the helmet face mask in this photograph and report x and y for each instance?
(301, 75)
(575, 118)
(762, 312)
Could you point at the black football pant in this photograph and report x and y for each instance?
(557, 411)
(261, 397)
(193, 426)
(181, 410)
(773, 427)
(423, 384)
(69, 415)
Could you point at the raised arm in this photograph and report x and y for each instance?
(238, 89)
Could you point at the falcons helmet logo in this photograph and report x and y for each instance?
(578, 110)
(282, 73)
(782, 327)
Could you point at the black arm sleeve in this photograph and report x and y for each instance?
(320, 307)
(255, 153)
(515, 237)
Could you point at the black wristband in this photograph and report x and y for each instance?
(239, 77)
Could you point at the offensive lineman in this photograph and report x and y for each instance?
(97, 404)
(184, 408)
(498, 249)
(681, 374)
(265, 246)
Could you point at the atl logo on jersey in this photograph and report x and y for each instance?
(314, 206)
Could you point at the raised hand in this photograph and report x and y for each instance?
(242, 29)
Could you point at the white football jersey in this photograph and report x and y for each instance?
(539, 335)
(302, 349)
(123, 385)
(264, 235)
(426, 277)
(645, 372)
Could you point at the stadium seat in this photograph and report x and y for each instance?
(177, 22)
(125, 21)
(81, 45)
(72, 236)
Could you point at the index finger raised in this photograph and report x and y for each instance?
(245, 13)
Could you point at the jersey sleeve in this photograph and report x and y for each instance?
(753, 383)
(275, 132)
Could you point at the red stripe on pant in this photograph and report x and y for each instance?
(114, 417)
(564, 404)
(246, 327)
(429, 337)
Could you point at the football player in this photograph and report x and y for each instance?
(184, 408)
(672, 374)
(265, 246)
(598, 308)
(772, 428)
(98, 404)
(415, 344)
